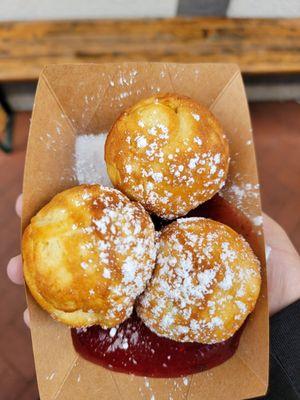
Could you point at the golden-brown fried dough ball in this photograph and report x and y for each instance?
(205, 283)
(88, 254)
(169, 153)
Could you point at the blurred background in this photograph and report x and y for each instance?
(263, 37)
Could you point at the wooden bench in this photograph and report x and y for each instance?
(259, 46)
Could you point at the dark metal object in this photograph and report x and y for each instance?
(6, 143)
(203, 7)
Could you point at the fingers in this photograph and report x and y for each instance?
(271, 227)
(276, 236)
(26, 317)
(15, 274)
(14, 270)
(14, 267)
(18, 205)
(283, 266)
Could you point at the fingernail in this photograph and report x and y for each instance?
(14, 270)
(26, 317)
(18, 206)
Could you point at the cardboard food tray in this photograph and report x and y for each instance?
(83, 99)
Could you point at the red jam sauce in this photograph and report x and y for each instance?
(147, 354)
(133, 349)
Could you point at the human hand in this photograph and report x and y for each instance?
(283, 266)
(14, 267)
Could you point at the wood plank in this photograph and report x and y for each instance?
(259, 46)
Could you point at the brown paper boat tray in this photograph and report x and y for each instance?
(85, 99)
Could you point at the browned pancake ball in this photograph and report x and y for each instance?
(88, 254)
(205, 283)
(169, 153)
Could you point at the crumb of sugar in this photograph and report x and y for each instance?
(147, 383)
(50, 376)
(257, 221)
(157, 176)
(242, 306)
(198, 140)
(106, 273)
(112, 332)
(240, 292)
(226, 283)
(185, 381)
(240, 193)
(141, 142)
(84, 265)
(129, 269)
(215, 322)
(196, 116)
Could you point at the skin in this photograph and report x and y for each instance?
(283, 266)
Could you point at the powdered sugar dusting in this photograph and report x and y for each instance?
(244, 195)
(90, 165)
(51, 376)
(167, 154)
(199, 259)
(258, 221)
(117, 249)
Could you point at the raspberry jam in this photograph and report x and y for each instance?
(133, 349)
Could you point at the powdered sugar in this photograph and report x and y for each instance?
(258, 221)
(90, 165)
(226, 283)
(198, 259)
(121, 227)
(241, 306)
(106, 273)
(116, 254)
(170, 150)
(141, 142)
(196, 116)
